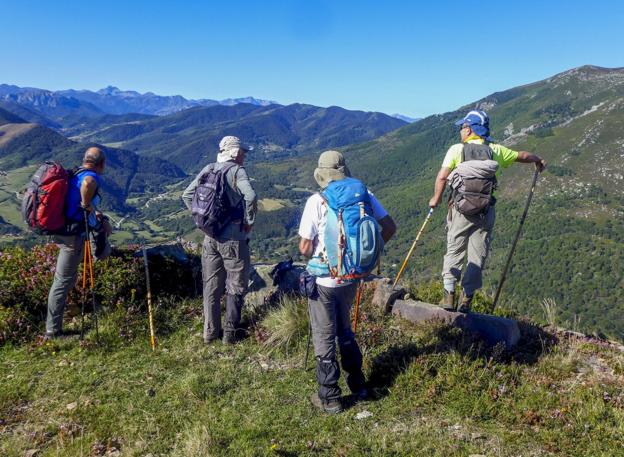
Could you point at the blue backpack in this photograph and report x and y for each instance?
(353, 242)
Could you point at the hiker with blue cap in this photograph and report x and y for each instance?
(470, 169)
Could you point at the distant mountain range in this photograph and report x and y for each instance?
(71, 104)
(110, 100)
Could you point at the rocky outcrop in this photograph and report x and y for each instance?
(267, 283)
(493, 329)
(384, 295)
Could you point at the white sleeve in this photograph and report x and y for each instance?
(308, 227)
(379, 212)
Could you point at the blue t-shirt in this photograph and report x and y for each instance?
(73, 210)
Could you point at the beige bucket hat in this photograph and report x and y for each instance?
(229, 147)
(331, 167)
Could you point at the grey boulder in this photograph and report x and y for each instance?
(493, 329)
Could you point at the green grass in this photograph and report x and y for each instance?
(440, 393)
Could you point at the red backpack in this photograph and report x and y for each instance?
(43, 204)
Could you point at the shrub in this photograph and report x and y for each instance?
(27, 274)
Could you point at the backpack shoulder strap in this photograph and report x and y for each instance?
(204, 172)
(227, 168)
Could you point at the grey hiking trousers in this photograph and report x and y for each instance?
(469, 235)
(330, 320)
(70, 256)
(225, 268)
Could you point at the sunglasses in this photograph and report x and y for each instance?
(464, 126)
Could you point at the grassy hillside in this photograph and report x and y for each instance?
(438, 391)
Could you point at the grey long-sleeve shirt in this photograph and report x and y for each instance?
(239, 188)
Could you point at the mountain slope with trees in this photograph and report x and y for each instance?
(275, 131)
(23, 144)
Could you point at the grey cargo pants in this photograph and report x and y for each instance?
(70, 256)
(330, 320)
(225, 268)
(471, 235)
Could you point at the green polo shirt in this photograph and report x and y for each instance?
(504, 156)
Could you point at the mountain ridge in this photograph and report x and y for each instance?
(276, 130)
(111, 100)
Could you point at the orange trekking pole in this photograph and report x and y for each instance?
(88, 265)
(358, 299)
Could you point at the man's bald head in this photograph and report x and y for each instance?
(93, 157)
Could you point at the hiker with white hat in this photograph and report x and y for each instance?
(470, 169)
(330, 287)
(224, 206)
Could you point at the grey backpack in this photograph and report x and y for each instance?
(211, 207)
(474, 180)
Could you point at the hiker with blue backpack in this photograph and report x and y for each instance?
(224, 205)
(343, 229)
(78, 190)
(470, 170)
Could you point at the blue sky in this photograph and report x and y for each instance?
(393, 56)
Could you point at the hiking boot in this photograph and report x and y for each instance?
(362, 395)
(230, 338)
(464, 306)
(211, 339)
(328, 406)
(448, 301)
(60, 336)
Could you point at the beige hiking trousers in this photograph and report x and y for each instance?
(469, 235)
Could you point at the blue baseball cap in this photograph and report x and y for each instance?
(479, 123)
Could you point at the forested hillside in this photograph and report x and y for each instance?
(24, 144)
(275, 131)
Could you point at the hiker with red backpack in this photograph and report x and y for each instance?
(470, 170)
(343, 229)
(224, 205)
(69, 230)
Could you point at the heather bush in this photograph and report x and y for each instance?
(27, 274)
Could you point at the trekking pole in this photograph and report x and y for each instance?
(84, 291)
(515, 241)
(88, 263)
(358, 299)
(149, 302)
(305, 360)
(409, 254)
